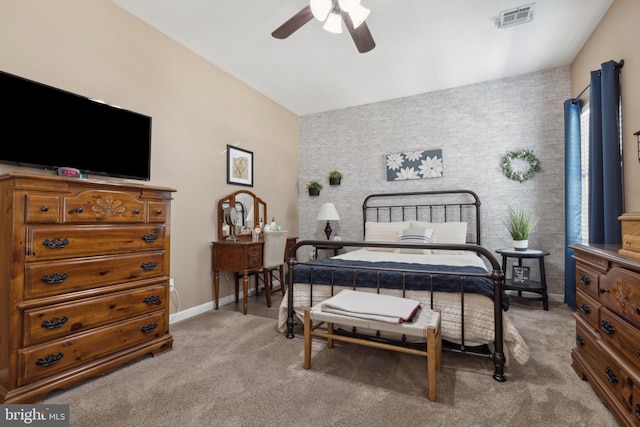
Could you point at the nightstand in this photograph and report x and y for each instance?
(522, 283)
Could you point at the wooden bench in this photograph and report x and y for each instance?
(425, 325)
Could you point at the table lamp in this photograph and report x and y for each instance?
(328, 213)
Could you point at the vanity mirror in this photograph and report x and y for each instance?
(250, 209)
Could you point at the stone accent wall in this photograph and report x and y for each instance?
(475, 126)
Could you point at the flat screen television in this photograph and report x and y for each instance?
(49, 128)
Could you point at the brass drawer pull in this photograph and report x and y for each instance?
(611, 376)
(51, 359)
(54, 323)
(55, 243)
(147, 266)
(579, 340)
(150, 237)
(585, 308)
(607, 327)
(152, 299)
(149, 328)
(584, 280)
(55, 278)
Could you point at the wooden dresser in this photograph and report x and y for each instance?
(607, 351)
(84, 280)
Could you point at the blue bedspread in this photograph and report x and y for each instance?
(341, 273)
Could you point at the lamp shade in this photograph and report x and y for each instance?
(328, 213)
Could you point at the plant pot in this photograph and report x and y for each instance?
(520, 245)
(334, 181)
(314, 192)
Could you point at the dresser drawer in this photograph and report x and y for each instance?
(620, 335)
(49, 242)
(586, 339)
(614, 374)
(58, 277)
(587, 280)
(157, 212)
(42, 209)
(620, 293)
(48, 323)
(588, 309)
(101, 206)
(48, 359)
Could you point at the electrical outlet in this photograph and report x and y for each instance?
(172, 285)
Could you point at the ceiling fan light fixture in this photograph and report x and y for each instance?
(358, 15)
(333, 23)
(348, 5)
(320, 8)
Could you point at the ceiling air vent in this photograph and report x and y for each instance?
(519, 15)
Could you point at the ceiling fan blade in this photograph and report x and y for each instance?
(361, 36)
(293, 24)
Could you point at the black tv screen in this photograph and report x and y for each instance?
(50, 128)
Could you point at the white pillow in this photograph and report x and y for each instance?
(415, 235)
(445, 232)
(384, 232)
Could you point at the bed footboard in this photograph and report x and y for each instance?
(386, 279)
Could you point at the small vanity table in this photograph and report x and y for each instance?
(237, 252)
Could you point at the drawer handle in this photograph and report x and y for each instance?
(149, 328)
(55, 243)
(604, 291)
(638, 411)
(585, 308)
(579, 340)
(584, 279)
(136, 211)
(54, 323)
(149, 265)
(51, 359)
(55, 278)
(44, 208)
(78, 210)
(607, 327)
(152, 299)
(159, 212)
(611, 376)
(150, 237)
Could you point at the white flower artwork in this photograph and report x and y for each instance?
(414, 165)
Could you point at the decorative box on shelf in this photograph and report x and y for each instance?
(630, 234)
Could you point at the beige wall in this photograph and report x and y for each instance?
(616, 38)
(98, 50)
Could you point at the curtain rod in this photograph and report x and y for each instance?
(615, 64)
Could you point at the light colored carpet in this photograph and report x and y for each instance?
(227, 369)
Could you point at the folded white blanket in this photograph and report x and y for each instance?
(367, 305)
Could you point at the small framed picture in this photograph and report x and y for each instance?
(520, 275)
(239, 166)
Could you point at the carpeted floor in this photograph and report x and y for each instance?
(227, 369)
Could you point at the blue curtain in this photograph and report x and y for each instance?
(606, 194)
(573, 194)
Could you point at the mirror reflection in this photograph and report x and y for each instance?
(252, 212)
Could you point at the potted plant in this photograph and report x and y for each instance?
(335, 177)
(314, 188)
(519, 222)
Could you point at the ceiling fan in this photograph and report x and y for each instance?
(333, 13)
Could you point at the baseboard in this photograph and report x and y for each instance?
(203, 308)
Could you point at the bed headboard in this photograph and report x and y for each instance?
(427, 206)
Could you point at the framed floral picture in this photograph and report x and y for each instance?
(414, 165)
(239, 166)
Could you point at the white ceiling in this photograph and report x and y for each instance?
(421, 45)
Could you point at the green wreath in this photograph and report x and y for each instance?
(527, 156)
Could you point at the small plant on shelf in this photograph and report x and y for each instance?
(335, 177)
(314, 188)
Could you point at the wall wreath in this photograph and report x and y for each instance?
(527, 156)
